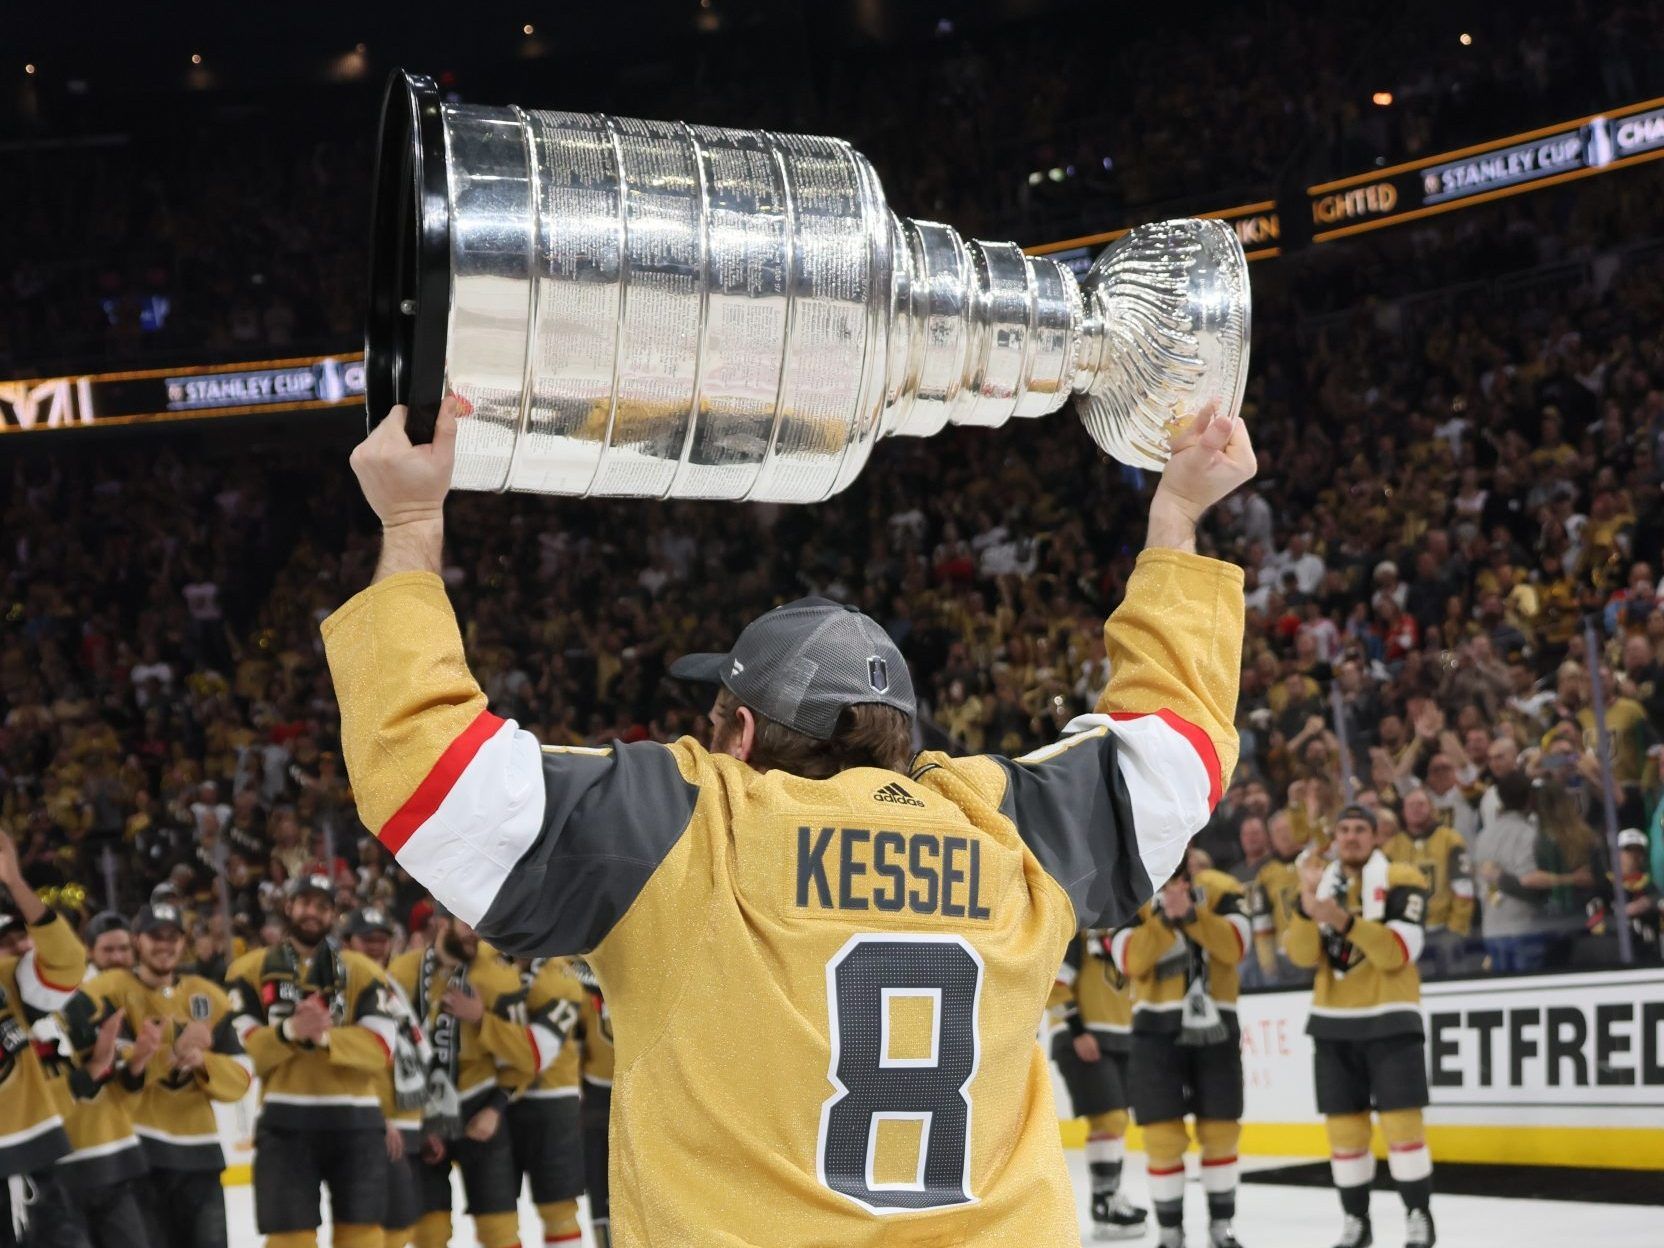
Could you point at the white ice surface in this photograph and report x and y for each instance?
(1269, 1217)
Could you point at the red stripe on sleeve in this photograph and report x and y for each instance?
(1402, 947)
(419, 808)
(537, 1053)
(47, 983)
(1199, 741)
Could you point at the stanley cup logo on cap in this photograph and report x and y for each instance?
(780, 319)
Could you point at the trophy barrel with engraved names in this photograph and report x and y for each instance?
(664, 310)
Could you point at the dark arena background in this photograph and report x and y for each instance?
(1454, 218)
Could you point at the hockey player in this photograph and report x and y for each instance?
(1441, 855)
(200, 1061)
(1271, 899)
(1091, 1033)
(1360, 925)
(465, 996)
(543, 1111)
(897, 921)
(37, 977)
(106, 1158)
(1181, 954)
(314, 1017)
(595, 1041)
(369, 931)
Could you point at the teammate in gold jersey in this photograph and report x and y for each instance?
(40, 966)
(1360, 923)
(891, 923)
(1090, 1016)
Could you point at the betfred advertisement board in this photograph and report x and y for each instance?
(1541, 1069)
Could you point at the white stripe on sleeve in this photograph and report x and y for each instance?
(37, 992)
(1167, 783)
(1412, 936)
(547, 1045)
(493, 814)
(1244, 933)
(1118, 949)
(384, 1029)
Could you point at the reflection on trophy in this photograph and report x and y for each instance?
(656, 309)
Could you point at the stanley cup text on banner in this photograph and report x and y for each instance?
(658, 309)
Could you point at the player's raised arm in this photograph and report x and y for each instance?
(1110, 808)
(541, 850)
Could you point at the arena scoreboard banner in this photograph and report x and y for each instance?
(1488, 171)
(1511, 165)
(101, 400)
(1257, 227)
(1564, 1070)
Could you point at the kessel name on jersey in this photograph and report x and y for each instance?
(878, 870)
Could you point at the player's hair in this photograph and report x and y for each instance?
(868, 735)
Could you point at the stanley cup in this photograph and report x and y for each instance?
(663, 310)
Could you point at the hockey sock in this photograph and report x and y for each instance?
(1354, 1201)
(1219, 1165)
(434, 1230)
(498, 1230)
(1350, 1161)
(1408, 1159)
(293, 1239)
(1106, 1148)
(560, 1222)
(399, 1237)
(1166, 1142)
(356, 1235)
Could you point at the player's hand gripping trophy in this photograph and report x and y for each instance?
(652, 309)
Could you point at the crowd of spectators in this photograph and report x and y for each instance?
(226, 224)
(1443, 506)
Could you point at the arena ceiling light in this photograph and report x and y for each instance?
(528, 29)
(29, 68)
(1382, 98)
(196, 58)
(1465, 39)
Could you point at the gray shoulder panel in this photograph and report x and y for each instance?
(1072, 810)
(609, 820)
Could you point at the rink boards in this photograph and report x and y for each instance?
(1557, 1070)
(1562, 1070)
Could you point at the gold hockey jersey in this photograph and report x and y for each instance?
(1367, 983)
(594, 1028)
(1442, 858)
(1271, 902)
(173, 1114)
(103, 1146)
(1162, 959)
(894, 937)
(32, 988)
(478, 1054)
(306, 1086)
(552, 1001)
(1091, 994)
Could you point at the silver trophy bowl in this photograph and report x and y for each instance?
(664, 310)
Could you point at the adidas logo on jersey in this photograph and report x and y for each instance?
(893, 792)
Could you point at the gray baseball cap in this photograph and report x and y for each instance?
(802, 663)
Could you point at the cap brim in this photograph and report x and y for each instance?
(704, 669)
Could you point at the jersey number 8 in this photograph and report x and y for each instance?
(864, 982)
